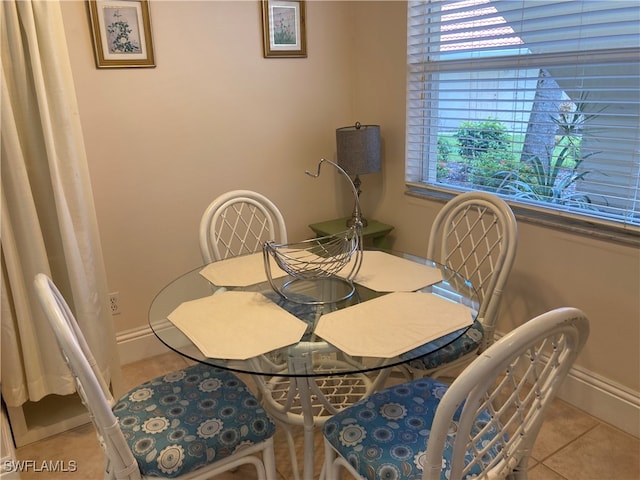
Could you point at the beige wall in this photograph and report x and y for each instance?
(214, 115)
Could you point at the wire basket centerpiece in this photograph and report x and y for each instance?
(332, 258)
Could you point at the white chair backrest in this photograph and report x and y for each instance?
(514, 380)
(237, 223)
(475, 234)
(90, 384)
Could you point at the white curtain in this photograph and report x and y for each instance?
(47, 210)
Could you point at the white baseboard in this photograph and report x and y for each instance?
(598, 396)
(588, 391)
(139, 343)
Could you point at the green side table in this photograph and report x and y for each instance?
(375, 233)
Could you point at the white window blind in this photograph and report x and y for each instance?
(538, 101)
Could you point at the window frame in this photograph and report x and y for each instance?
(533, 212)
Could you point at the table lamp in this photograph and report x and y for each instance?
(359, 153)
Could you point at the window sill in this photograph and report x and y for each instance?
(557, 220)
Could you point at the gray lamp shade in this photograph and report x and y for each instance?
(359, 148)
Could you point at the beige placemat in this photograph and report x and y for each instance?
(393, 324)
(237, 325)
(240, 271)
(384, 272)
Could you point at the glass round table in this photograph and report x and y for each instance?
(387, 322)
(309, 356)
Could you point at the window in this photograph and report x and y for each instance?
(537, 101)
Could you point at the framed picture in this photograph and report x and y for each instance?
(121, 33)
(283, 28)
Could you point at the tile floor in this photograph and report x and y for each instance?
(572, 445)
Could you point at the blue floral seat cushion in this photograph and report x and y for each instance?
(386, 434)
(187, 419)
(443, 354)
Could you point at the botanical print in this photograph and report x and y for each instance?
(284, 25)
(121, 25)
(283, 28)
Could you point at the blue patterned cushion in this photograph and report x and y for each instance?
(187, 419)
(386, 434)
(467, 343)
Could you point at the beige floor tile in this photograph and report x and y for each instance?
(602, 453)
(541, 472)
(77, 451)
(563, 423)
(245, 472)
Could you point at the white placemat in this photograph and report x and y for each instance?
(237, 325)
(384, 272)
(240, 271)
(393, 324)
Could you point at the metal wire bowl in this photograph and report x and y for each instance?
(319, 258)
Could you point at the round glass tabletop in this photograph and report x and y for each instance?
(227, 314)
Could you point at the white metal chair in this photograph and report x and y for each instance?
(237, 223)
(482, 426)
(309, 401)
(475, 234)
(191, 424)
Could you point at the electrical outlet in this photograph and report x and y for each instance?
(114, 303)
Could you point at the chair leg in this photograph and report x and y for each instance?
(309, 460)
(292, 450)
(269, 460)
(520, 472)
(328, 468)
(323, 472)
